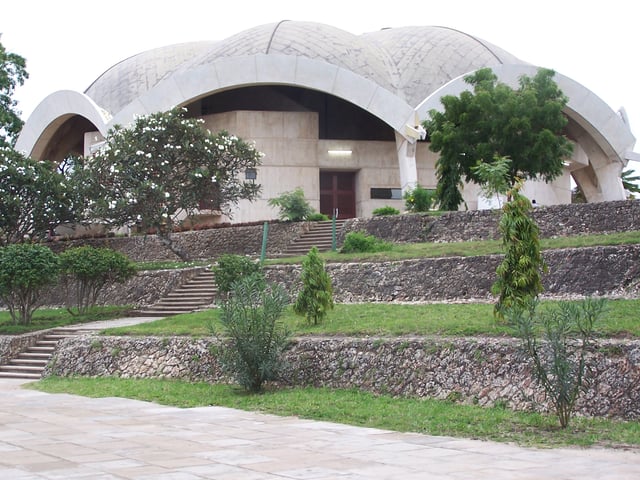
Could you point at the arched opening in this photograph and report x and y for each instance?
(337, 118)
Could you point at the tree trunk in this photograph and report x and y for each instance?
(167, 241)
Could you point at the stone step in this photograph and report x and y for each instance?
(40, 349)
(33, 356)
(160, 313)
(28, 361)
(21, 375)
(21, 368)
(186, 294)
(187, 303)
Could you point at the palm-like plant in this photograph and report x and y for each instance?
(630, 182)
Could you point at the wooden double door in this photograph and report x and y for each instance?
(338, 193)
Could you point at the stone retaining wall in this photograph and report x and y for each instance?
(605, 271)
(554, 221)
(200, 244)
(557, 220)
(12, 345)
(146, 288)
(483, 371)
(573, 272)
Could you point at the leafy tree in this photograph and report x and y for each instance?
(630, 182)
(496, 121)
(89, 269)
(293, 206)
(13, 73)
(316, 297)
(25, 271)
(230, 268)
(167, 166)
(560, 356)
(255, 336)
(34, 198)
(493, 177)
(520, 272)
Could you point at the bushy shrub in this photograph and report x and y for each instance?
(316, 297)
(386, 210)
(231, 268)
(317, 217)
(419, 199)
(25, 271)
(88, 270)
(254, 335)
(293, 206)
(559, 353)
(361, 242)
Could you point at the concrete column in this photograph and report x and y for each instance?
(406, 151)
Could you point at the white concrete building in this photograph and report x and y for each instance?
(334, 113)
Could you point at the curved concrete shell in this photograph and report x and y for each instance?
(304, 91)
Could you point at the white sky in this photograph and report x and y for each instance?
(69, 43)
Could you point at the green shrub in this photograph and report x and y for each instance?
(560, 356)
(231, 268)
(25, 271)
(293, 206)
(520, 272)
(316, 297)
(317, 217)
(419, 199)
(255, 336)
(88, 270)
(386, 210)
(361, 242)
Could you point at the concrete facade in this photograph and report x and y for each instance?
(308, 94)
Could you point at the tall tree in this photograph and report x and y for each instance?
(13, 73)
(496, 121)
(166, 167)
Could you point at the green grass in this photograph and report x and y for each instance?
(433, 417)
(404, 251)
(170, 265)
(380, 319)
(50, 318)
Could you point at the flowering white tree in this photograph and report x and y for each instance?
(164, 167)
(34, 198)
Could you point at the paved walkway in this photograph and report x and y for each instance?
(45, 436)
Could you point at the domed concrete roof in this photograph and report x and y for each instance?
(128, 79)
(411, 62)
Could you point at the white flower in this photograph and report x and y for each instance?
(139, 152)
(167, 195)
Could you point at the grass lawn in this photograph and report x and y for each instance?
(381, 319)
(403, 251)
(433, 417)
(46, 318)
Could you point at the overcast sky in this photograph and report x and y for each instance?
(69, 43)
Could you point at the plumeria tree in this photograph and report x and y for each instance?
(34, 198)
(166, 167)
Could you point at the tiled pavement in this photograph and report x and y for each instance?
(45, 436)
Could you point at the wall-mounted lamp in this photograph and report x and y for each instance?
(251, 174)
(339, 153)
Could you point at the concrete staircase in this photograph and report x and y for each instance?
(197, 293)
(319, 235)
(30, 363)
